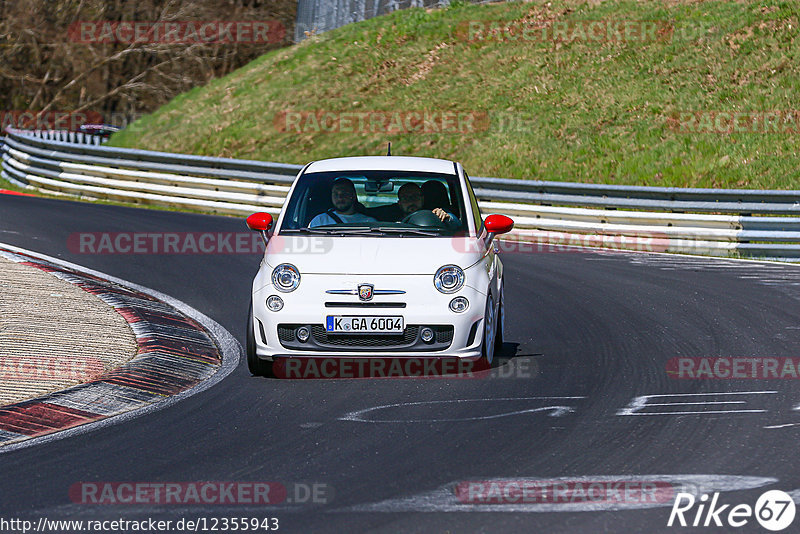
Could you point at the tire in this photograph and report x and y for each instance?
(256, 365)
(501, 322)
(489, 330)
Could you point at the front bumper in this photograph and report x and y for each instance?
(409, 340)
(456, 334)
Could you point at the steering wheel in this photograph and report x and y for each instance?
(424, 218)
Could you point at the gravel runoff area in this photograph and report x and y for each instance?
(54, 335)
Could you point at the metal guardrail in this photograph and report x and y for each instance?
(81, 138)
(720, 222)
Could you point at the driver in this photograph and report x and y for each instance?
(344, 200)
(411, 200)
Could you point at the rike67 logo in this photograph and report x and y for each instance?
(774, 510)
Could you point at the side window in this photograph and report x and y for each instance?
(476, 211)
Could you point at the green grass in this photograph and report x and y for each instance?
(5, 184)
(582, 110)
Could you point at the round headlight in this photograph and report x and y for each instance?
(286, 277)
(449, 279)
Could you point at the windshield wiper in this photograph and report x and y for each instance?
(432, 232)
(364, 230)
(328, 231)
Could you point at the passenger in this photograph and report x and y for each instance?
(345, 204)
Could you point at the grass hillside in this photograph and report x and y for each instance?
(647, 110)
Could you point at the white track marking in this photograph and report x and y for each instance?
(704, 412)
(768, 274)
(555, 411)
(640, 403)
(696, 403)
(786, 425)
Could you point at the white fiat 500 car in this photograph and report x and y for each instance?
(377, 257)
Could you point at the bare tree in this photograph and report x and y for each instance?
(44, 66)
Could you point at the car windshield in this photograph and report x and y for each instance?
(376, 203)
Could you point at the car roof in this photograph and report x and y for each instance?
(383, 163)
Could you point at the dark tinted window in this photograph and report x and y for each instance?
(377, 196)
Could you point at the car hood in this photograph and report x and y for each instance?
(371, 255)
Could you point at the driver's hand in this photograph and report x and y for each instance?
(443, 215)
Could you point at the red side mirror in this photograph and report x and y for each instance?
(498, 224)
(259, 221)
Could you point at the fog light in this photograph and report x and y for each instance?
(426, 334)
(302, 334)
(274, 303)
(459, 304)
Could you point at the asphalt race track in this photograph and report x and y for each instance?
(586, 334)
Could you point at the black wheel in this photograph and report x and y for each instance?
(257, 366)
(501, 321)
(489, 330)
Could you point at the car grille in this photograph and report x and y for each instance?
(286, 332)
(364, 340)
(365, 304)
(321, 339)
(444, 334)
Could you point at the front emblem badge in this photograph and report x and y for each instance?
(365, 291)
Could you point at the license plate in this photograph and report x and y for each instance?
(358, 324)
